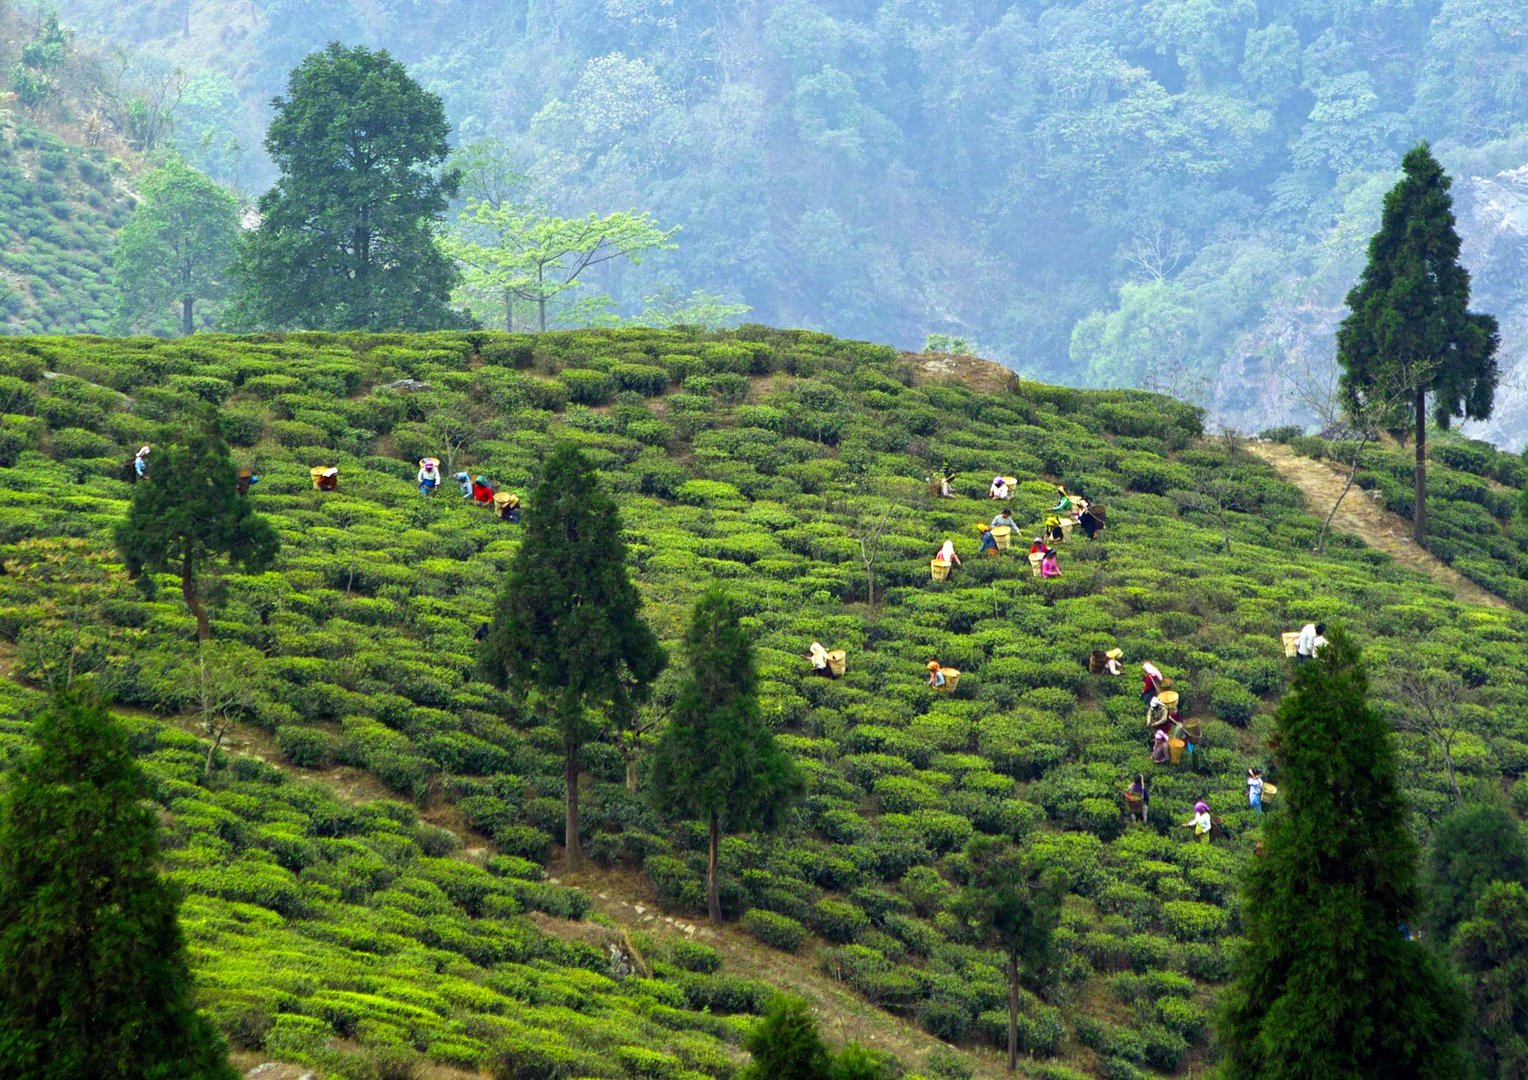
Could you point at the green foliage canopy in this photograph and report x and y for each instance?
(176, 248)
(186, 511)
(94, 978)
(567, 634)
(346, 237)
(1471, 848)
(1491, 949)
(1328, 986)
(1409, 332)
(716, 759)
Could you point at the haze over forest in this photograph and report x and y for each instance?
(1172, 194)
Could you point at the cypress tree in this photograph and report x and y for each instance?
(786, 1045)
(94, 982)
(1491, 949)
(567, 636)
(1409, 332)
(187, 511)
(1012, 903)
(1472, 847)
(1328, 987)
(717, 760)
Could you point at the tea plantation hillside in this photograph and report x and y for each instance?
(60, 207)
(1475, 504)
(345, 935)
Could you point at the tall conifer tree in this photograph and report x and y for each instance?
(187, 511)
(717, 760)
(1410, 332)
(567, 636)
(94, 982)
(1012, 903)
(1328, 987)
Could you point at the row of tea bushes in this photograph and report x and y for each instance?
(764, 459)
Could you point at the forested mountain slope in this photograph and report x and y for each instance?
(773, 461)
(66, 150)
(1173, 193)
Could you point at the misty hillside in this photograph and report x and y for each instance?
(71, 128)
(1172, 194)
(373, 866)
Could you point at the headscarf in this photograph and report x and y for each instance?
(948, 551)
(143, 452)
(1201, 807)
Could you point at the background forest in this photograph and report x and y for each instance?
(1172, 193)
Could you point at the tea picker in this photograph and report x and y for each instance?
(1200, 822)
(140, 463)
(940, 677)
(989, 541)
(429, 475)
(1004, 518)
(507, 503)
(827, 663)
(1063, 504)
(244, 480)
(1138, 798)
(466, 482)
(1105, 663)
(999, 488)
(941, 562)
(325, 477)
(1255, 789)
(482, 491)
(1312, 636)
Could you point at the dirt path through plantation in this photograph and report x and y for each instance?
(1321, 483)
(624, 898)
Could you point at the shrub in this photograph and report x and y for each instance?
(1233, 703)
(838, 920)
(775, 930)
(307, 748)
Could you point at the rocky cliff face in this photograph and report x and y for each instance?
(1295, 340)
(1493, 225)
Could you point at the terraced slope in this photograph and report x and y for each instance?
(763, 459)
(60, 207)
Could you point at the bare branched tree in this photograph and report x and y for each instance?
(872, 531)
(1155, 250)
(1431, 703)
(1217, 491)
(1354, 423)
(219, 683)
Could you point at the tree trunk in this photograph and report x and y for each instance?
(713, 894)
(541, 306)
(1448, 765)
(212, 753)
(1013, 1013)
(187, 327)
(631, 772)
(1419, 517)
(509, 312)
(570, 777)
(870, 585)
(193, 601)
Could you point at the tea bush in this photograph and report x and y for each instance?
(762, 457)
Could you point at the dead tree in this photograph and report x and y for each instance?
(1431, 703)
